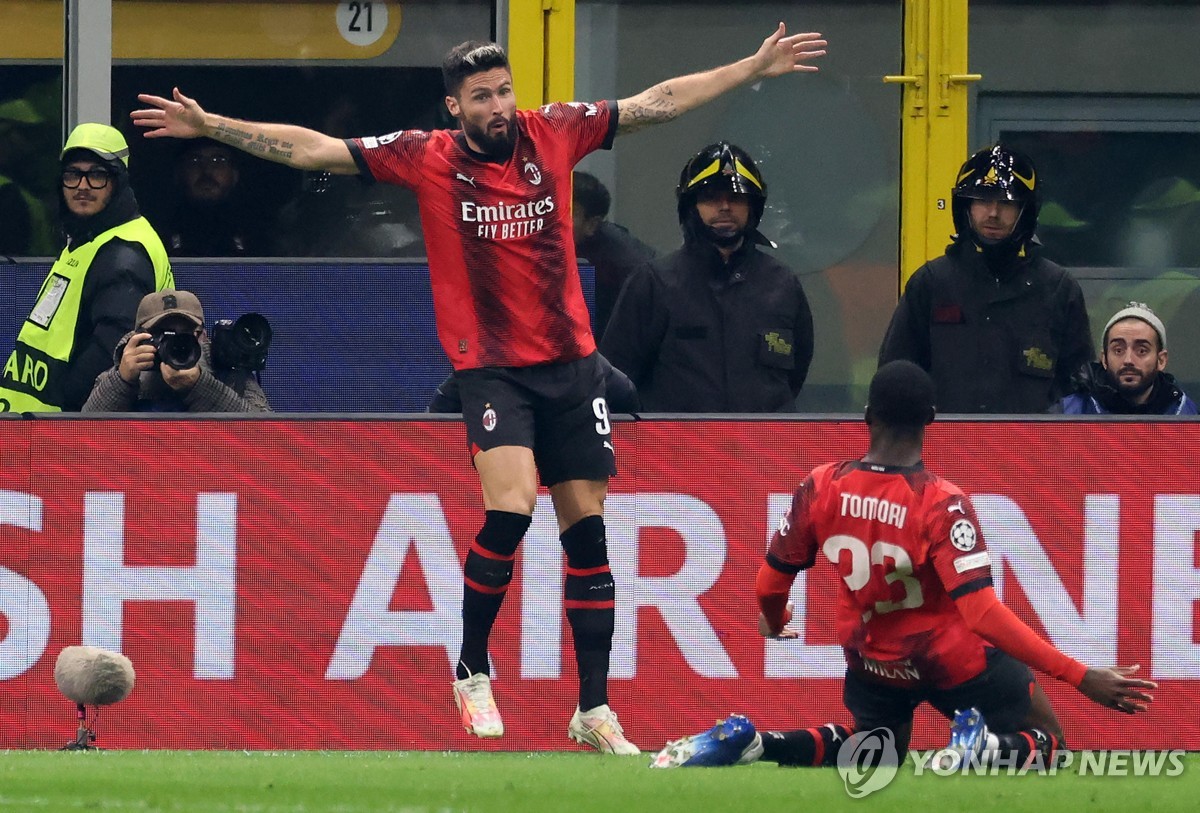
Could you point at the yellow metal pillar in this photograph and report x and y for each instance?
(934, 129)
(541, 48)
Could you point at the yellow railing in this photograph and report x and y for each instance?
(934, 125)
(541, 48)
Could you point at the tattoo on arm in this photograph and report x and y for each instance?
(230, 134)
(653, 106)
(258, 144)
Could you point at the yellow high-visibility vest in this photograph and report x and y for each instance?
(33, 374)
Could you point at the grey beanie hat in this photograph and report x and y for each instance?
(1139, 310)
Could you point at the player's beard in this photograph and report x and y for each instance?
(496, 147)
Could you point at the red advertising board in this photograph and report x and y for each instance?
(296, 584)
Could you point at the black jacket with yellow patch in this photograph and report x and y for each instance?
(1005, 343)
(698, 335)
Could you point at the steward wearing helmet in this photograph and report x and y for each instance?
(1000, 328)
(112, 259)
(719, 325)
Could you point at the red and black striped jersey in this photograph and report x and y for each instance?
(506, 288)
(906, 543)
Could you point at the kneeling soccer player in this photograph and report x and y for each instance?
(917, 616)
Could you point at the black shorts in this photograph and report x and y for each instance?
(1002, 691)
(557, 410)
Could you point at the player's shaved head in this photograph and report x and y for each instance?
(902, 396)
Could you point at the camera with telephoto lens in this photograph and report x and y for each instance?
(175, 349)
(241, 344)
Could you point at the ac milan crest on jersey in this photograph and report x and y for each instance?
(532, 173)
(489, 419)
(506, 286)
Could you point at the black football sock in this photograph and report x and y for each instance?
(808, 746)
(1028, 748)
(588, 596)
(486, 575)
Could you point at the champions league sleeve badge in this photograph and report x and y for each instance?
(963, 535)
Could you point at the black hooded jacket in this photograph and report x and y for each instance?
(999, 333)
(696, 334)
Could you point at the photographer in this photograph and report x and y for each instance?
(165, 365)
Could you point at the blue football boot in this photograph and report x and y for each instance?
(733, 741)
(968, 734)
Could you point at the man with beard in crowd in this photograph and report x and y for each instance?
(1131, 377)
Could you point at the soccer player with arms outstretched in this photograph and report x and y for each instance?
(917, 616)
(495, 208)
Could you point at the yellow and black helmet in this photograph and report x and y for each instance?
(998, 173)
(723, 166)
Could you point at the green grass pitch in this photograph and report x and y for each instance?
(438, 782)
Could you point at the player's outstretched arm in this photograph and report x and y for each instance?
(299, 147)
(1115, 689)
(994, 622)
(778, 55)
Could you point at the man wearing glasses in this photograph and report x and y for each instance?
(112, 259)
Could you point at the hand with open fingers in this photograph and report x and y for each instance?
(764, 628)
(178, 117)
(1115, 689)
(782, 54)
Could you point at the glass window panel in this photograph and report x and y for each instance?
(314, 74)
(31, 78)
(1115, 133)
(282, 211)
(827, 143)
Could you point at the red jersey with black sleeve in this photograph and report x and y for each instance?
(906, 544)
(502, 264)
